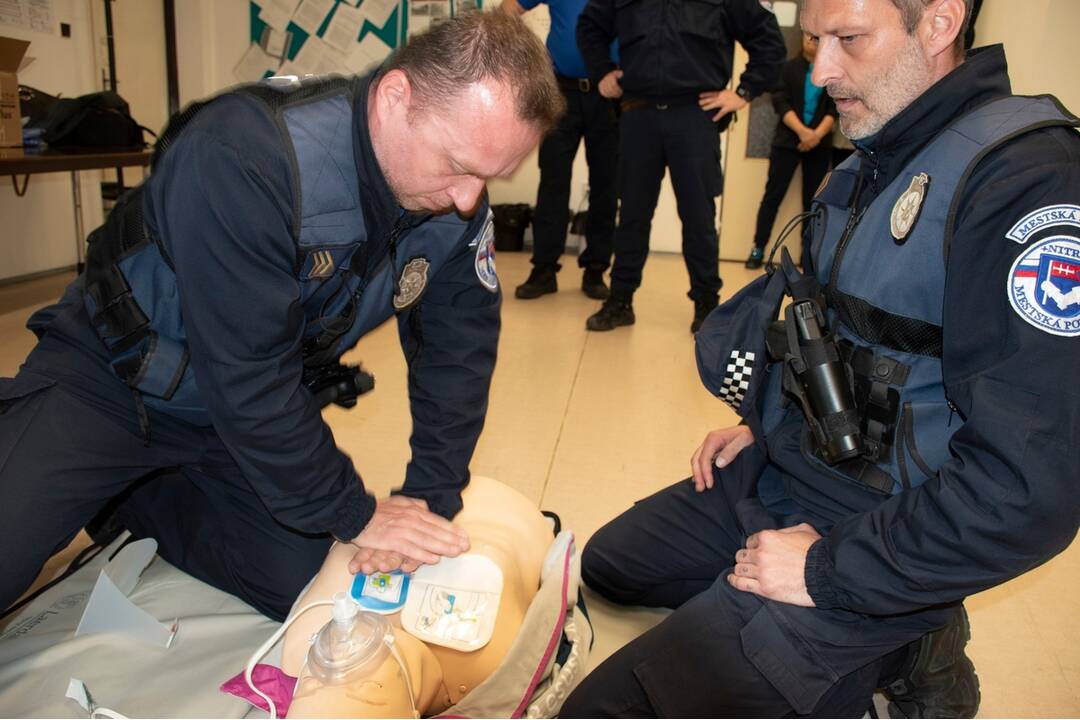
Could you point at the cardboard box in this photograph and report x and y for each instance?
(11, 54)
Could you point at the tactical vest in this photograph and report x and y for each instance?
(348, 282)
(883, 271)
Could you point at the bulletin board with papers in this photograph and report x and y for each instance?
(302, 37)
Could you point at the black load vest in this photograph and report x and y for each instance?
(884, 304)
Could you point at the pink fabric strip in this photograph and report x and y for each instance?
(270, 680)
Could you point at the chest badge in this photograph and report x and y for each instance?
(413, 280)
(906, 211)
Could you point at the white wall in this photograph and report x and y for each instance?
(37, 232)
(139, 46)
(211, 35)
(1040, 42)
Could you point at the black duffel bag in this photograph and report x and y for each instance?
(97, 120)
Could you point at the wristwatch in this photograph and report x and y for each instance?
(742, 92)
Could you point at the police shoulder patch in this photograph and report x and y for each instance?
(485, 256)
(1043, 218)
(1044, 285)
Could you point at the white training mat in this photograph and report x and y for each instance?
(215, 635)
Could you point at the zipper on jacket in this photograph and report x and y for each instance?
(854, 217)
(952, 410)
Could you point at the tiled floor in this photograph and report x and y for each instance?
(586, 423)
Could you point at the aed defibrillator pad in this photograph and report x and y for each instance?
(454, 603)
(382, 593)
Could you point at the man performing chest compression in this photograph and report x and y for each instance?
(278, 227)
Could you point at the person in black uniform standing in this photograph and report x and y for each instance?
(279, 226)
(803, 136)
(591, 117)
(822, 550)
(675, 64)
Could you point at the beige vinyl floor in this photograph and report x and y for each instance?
(586, 423)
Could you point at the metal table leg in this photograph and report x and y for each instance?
(80, 238)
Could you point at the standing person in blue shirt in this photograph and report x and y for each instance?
(591, 116)
(675, 63)
(803, 136)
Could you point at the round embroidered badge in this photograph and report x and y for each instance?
(1044, 285)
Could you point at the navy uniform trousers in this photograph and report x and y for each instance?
(675, 550)
(71, 441)
(591, 117)
(683, 139)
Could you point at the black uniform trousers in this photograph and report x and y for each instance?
(591, 117)
(675, 550)
(684, 139)
(782, 164)
(71, 441)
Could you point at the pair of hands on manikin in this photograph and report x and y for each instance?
(403, 535)
(773, 562)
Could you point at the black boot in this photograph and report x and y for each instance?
(757, 256)
(702, 308)
(616, 311)
(936, 679)
(541, 282)
(592, 284)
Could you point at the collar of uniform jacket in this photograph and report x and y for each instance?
(982, 77)
(377, 199)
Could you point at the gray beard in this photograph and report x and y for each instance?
(890, 92)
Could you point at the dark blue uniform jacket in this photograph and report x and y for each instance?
(671, 50)
(221, 201)
(1005, 501)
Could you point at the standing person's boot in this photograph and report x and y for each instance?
(592, 284)
(757, 257)
(617, 310)
(702, 308)
(541, 282)
(936, 679)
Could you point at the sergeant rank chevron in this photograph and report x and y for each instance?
(323, 265)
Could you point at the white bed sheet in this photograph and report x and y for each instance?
(39, 652)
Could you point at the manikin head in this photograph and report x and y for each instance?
(875, 57)
(458, 105)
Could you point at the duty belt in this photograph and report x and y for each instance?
(579, 84)
(628, 104)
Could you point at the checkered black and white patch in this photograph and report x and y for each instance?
(737, 378)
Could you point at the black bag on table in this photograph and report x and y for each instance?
(97, 120)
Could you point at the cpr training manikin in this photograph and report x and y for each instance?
(492, 633)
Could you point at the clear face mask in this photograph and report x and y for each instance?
(351, 646)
